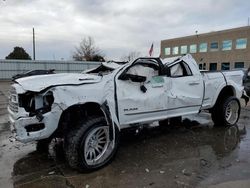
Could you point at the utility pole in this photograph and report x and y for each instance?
(248, 21)
(34, 48)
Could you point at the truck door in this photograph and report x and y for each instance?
(140, 100)
(186, 92)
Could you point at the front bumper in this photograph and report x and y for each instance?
(20, 124)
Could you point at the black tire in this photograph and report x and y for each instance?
(75, 144)
(42, 146)
(220, 112)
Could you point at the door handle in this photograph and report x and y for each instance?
(194, 83)
(155, 86)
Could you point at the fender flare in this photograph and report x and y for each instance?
(108, 116)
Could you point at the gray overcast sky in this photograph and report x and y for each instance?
(117, 26)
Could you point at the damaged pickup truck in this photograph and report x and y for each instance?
(89, 110)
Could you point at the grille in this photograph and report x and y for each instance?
(13, 100)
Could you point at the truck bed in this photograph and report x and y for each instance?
(216, 79)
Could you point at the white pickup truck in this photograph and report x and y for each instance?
(89, 110)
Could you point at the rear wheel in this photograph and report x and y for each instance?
(227, 112)
(90, 146)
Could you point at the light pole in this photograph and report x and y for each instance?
(34, 48)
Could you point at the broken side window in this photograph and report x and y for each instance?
(180, 69)
(144, 69)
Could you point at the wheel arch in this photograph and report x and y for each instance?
(226, 91)
(77, 112)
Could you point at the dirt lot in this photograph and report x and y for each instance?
(194, 154)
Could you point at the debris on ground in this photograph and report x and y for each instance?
(181, 184)
(204, 162)
(186, 173)
(51, 173)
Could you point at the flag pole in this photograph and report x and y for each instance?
(151, 50)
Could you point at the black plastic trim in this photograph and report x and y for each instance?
(148, 112)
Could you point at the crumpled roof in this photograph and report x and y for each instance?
(166, 61)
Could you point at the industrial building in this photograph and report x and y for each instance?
(218, 50)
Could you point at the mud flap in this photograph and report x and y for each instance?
(245, 97)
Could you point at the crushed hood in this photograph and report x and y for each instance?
(41, 82)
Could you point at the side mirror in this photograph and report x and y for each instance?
(133, 78)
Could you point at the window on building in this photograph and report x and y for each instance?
(203, 47)
(204, 66)
(241, 43)
(193, 48)
(225, 66)
(214, 46)
(167, 51)
(175, 50)
(200, 66)
(227, 45)
(239, 65)
(184, 49)
(213, 66)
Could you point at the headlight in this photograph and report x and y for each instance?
(48, 99)
(36, 103)
(27, 101)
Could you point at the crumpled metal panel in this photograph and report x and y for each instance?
(41, 82)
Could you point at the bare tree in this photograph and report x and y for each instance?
(88, 51)
(131, 56)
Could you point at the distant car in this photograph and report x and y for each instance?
(246, 81)
(33, 72)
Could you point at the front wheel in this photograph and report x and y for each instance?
(91, 145)
(227, 112)
(42, 146)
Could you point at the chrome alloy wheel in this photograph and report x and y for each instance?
(232, 112)
(96, 145)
